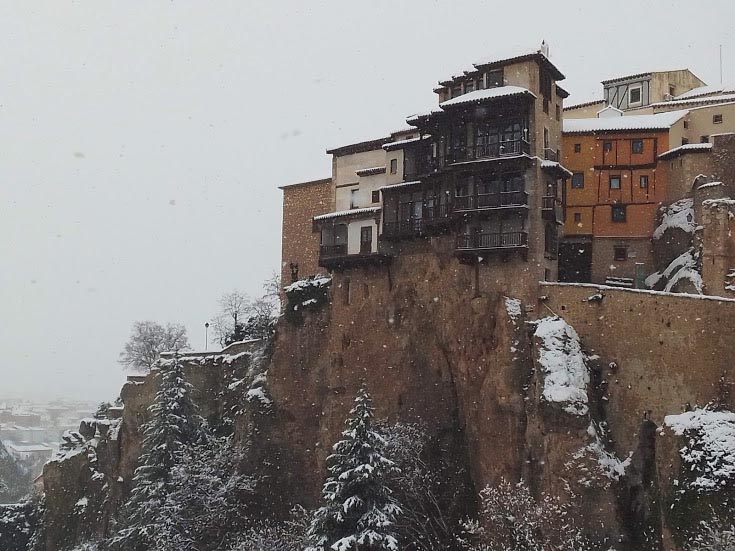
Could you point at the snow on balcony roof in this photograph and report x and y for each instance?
(706, 91)
(696, 147)
(370, 171)
(701, 99)
(343, 213)
(517, 52)
(483, 95)
(555, 166)
(399, 185)
(659, 121)
(401, 143)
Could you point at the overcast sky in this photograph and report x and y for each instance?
(142, 143)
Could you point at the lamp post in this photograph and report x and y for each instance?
(206, 336)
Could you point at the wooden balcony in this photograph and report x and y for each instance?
(472, 244)
(498, 150)
(336, 257)
(404, 229)
(491, 201)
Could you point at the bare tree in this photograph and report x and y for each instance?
(228, 324)
(147, 340)
(241, 318)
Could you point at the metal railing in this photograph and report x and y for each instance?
(486, 240)
(332, 250)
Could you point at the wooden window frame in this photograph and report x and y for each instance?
(619, 209)
(574, 185)
(620, 253)
(394, 166)
(375, 196)
(636, 146)
(643, 181)
(617, 177)
(578, 148)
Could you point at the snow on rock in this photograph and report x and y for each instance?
(513, 307)
(710, 450)
(677, 215)
(606, 464)
(302, 284)
(682, 268)
(563, 364)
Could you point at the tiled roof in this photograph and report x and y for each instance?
(344, 213)
(370, 171)
(484, 95)
(659, 121)
(687, 148)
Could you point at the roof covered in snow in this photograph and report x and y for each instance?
(697, 100)
(485, 95)
(370, 171)
(707, 90)
(687, 148)
(402, 143)
(659, 121)
(399, 185)
(553, 165)
(344, 213)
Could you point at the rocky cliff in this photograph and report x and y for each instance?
(575, 404)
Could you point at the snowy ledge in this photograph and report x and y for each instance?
(644, 291)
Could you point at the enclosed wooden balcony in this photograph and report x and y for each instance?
(403, 229)
(337, 257)
(490, 201)
(488, 242)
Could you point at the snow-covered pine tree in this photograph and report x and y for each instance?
(359, 510)
(174, 425)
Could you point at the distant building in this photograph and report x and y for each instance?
(34, 453)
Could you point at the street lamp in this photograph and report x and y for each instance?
(206, 335)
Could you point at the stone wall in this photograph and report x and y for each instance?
(299, 242)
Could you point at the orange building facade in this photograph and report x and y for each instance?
(611, 203)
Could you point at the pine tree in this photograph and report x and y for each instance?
(174, 425)
(359, 511)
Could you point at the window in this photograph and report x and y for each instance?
(546, 138)
(353, 199)
(704, 139)
(618, 213)
(635, 95)
(495, 79)
(469, 86)
(480, 82)
(558, 112)
(456, 90)
(546, 106)
(577, 147)
(376, 196)
(607, 146)
(578, 180)
(393, 166)
(366, 239)
(637, 146)
(577, 216)
(717, 119)
(621, 253)
(644, 181)
(672, 90)
(686, 124)
(615, 182)
(684, 141)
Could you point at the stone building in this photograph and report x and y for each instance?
(479, 177)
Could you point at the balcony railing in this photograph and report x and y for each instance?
(326, 251)
(501, 149)
(550, 154)
(433, 212)
(491, 200)
(488, 241)
(403, 228)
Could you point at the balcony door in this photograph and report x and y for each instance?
(366, 240)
